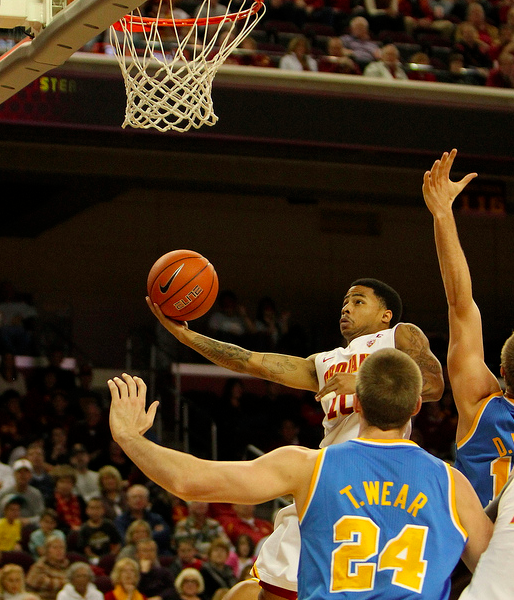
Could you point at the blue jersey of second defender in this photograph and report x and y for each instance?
(485, 454)
(380, 523)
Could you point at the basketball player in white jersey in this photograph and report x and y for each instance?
(369, 320)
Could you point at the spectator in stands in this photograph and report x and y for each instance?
(487, 33)
(215, 571)
(47, 527)
(139, 508)
(34, 504)
(245, 553)
(87, 485)
(456, 72)
(245, 522)
(93, 431)
(136, 531)
(503, 75)
(112, 491)
(80, 584)
(298, 57)
(198, 526)
(125, 578)
(420, 68)
(58, 452)
(474, 51)
(41, 479)
(97, 536)
(229, 321)
(6, 474)
(39, 397)
(48, 575)
(250, 55)
(59, 413)
(10, 525)
(506, 44)
(186, 557)
(69, 506)
(117, 458)
(10, 377)
(14, 418)
(156, 582)
(337, 60)
(363, 48)
(18, 318)
(189, 585)
(389, 65)
(12, 584)
(460, 9)
(171, 508)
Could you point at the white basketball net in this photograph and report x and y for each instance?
(169, 83)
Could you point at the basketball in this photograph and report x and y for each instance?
(184, 284)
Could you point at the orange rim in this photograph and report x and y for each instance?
(139, 24)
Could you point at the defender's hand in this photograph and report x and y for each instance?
(439, 191)
(128, 417)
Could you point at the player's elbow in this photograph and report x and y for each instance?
(433, 389)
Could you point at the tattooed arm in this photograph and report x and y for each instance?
(411, 340)
(291, 371)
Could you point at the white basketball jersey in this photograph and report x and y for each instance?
(340, 422)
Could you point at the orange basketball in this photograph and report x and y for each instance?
(184, 284)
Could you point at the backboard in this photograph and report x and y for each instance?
(67, 30)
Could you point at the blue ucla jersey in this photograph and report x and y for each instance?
(485, 454)
(380, 523)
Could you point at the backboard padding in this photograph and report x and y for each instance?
(73, 27)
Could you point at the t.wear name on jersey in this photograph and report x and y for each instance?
(386, 493)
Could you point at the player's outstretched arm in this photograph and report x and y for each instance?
(470, 378)
(292, 371)
(473, 518)
(410, 339)
(286, 470)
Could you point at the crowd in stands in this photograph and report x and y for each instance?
(452, 41)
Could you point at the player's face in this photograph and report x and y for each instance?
(362, 313)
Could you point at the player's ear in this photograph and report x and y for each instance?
(387, 316)
(357, 407)
(502, 371)
(419, 404)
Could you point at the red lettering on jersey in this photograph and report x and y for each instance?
(343, 367)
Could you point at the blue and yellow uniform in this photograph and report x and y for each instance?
(485, 454)
(380, 522)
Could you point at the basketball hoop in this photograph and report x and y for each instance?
(168, 64)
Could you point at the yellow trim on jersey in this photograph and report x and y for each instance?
(255, 573)
(387, 441)
(314, 483)
(477, 419)
(453, 503)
